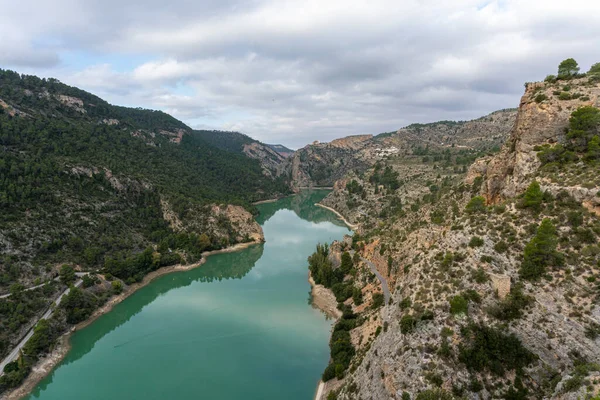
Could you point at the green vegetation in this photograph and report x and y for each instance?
(568, 69)
(583, 139)
(533, 197)
(476, 205)
(476, 241)
(386, 177)
(93, 188)
(459, 305)
(513, 305)
(341, 346)
(407, 324)
(486, 348)
(353, 187)
(540, 252)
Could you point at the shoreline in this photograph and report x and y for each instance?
(44, 366)
(340, 216)
(324, 300)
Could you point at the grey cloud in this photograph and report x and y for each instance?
(293, 72)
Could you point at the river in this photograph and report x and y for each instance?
(238, 327)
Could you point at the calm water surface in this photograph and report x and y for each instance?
(238, 327)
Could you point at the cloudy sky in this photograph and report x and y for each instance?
(292, 72)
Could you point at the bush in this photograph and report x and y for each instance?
(434, 394)
(564, 96)
(476, 242)
(512, 307)
(540, 98)
(487, 348)
(501, 246)
(67, 274)
(117, 287)
(407, 324)
(377, 300)
(459, 305)
(476, 205)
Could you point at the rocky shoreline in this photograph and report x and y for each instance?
(45, 365)
(340, 216)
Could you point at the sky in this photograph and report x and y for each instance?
(292, 72)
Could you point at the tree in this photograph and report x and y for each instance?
(67, 274)
(568, 68)
(540, 252)
(346, 264)
(584, 124)
(533, 196)
(117, 287)
(594, 69)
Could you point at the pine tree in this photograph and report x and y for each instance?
(540, 252)
(533, 197)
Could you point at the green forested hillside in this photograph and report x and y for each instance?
(82, 180)
(229, 141)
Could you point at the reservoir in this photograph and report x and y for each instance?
(238, 327)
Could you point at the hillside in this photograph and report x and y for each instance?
(101, 187)
(272, 162)
(493, 269)
(322, 164)
(281, 149)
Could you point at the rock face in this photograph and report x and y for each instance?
(510, 172)
(272, 162)
(322, 164)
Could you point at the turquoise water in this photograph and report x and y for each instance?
(238, 327)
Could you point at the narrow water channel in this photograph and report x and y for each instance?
(238, 327)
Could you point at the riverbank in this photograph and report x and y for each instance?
(340, 216)
(45, 365)
(323, 299)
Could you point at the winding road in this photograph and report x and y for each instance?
(384, 285)
(15, 352)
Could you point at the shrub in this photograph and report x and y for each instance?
(512, 307)
(550, 79)
(459, 305)
(476, 241)
(434, 394)
(540, 98)
(487, 348)
(564, 96)
(501, 246)
(476, 205)
(480, 276)
(377, 300)
(67, 274)
(117, 287)
(407, 324)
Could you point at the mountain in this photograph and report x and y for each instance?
(322, 164)
(281, 149)
(273, 163)
(82, 180)
(493, 265)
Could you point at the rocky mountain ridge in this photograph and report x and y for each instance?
(468, 317)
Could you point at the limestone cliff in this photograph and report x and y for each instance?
(538, 122)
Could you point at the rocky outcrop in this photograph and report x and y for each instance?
(538, 122)
(273, 163)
